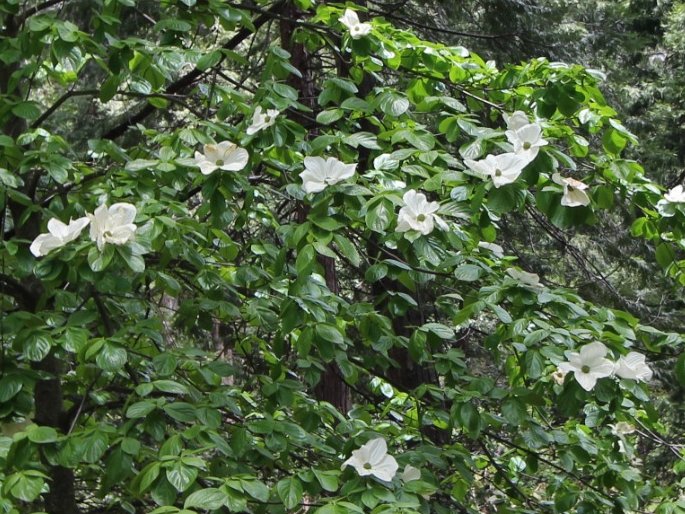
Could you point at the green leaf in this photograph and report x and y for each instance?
(327, 479)
(10, 385)
(93, 446)
(111, 357)
(37, 346)
(181, 476)
(42, 435)
(256, 489)
(347, 249)
(209, 60)
(365, 139)
(26, 110)
(140, 409)
(329, 116)
(25, 487)
(680, 369)
(329, 333)
(393, 104)
(290, 492)
(376, 272)
(467, 272)
(109, 88)
(207, 499)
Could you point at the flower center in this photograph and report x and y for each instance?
(421, 217)
(219, 162)
(585, 369)
(367, 465)
(526, 145)
(267, 119)
(498, 172)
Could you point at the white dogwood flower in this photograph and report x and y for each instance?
(58, 235)
(410, 473)
(502, 169)
(319, 173)
(418, 214)
(633, 366)
(351, 21)
(262, 120)
(588, 365)
(574, 191)
(559, 376)
(527, 140)
(515, 120)
(225, 156)
(112, 225)
(373, 459)
(675, 195)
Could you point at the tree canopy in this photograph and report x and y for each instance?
(280, 256)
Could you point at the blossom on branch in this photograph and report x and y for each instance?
(675, 195)
(58, 235)
(319, 173)
(574, 191)
(410, 473)
(225, 156)
(373, 459)
(527, 140)
(588, 365)
(112, 225)
(262, 120)
(515, 120)
(418, 214)
(357, 29)
(502, 169)
(634, 367)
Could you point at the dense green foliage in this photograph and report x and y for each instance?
(226, 339)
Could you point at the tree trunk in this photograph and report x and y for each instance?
(331, 387)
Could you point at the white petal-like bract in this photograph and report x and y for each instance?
(502, 169)
(261, 120)
(357, 29)
(588, 365)
(113, 225)
(58, 235)
(633, 366)
(417, 213)
(319, 173)
(373, 459)
(574, 191)
(225, 156)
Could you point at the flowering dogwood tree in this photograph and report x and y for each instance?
(294, 285)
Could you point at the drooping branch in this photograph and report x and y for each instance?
(189, 78)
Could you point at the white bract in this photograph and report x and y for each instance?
(58, 235)
(418, 214)
(515, 120)
(410, 473)
(502, 169)
(225, 156)
(574, 191)
(319, 173)
(112, 225)
(675, 195)
(527, 140)
(559, 376)
(588, 365)
(633, 366)
(524, 278)
(622, 428)
(496, 249)
(262, 120)
(373, 459)
(351, 21)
